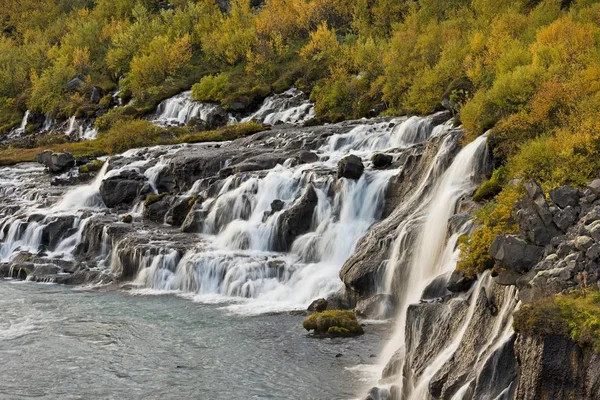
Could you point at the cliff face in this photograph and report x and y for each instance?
(553, 367)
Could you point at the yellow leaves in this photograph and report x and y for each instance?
(164, 58)
(565, 45)
(323, 44)
(81, 59)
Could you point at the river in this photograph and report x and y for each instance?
(58, 342)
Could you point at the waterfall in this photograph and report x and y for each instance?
(289, 107)
(83, 197)
(179, 110)
(239, 256)
(16, 132)
(429, 255)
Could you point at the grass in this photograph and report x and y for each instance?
(127, 135)
(576, 315)
(334, 323)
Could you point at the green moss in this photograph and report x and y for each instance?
(576, 315)
(491, 187)
(127, 219)
(192, 200)
(84, 169)
(334, 322)
(153, 198)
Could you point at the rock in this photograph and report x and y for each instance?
(318, 305)
(307, 157)
(350, 167)
(565, 196)
(593, 253)
(277, 205)
(379, 394)
(535, 217)
(333, 323)
(156, 209)
(458, 282)
(179, 210)
(583, 243)
(296, 220)
(594, 186)
(75, 83)
(514, 253)
(59, 228)
(381, 160)
(194, 221)
(56, 162)
(122, 189)
(96, 95)
(379, 306)
(565, 218)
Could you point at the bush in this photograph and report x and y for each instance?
(211, 88)
(334, 322)
(125, 135)
(494, 218)
(576, 315)
(491, 187)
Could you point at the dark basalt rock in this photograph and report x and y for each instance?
(179, 210)
(534, 216)
(565, 196)
(56, 162)
(513, 253)
(194, 220)
(381, 160)
(350, 167)
(458, 282)
(75, 83)
(554, 367)
(296, 220)
(379, 306)
(318, 305)
(156, 211)
(59, 228)
(307, 157)
(122, 189)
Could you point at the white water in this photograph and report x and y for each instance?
(16, 132)
(289, 107)
(429, 254)
(237, 260)
(179, 110)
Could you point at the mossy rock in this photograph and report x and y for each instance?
(334, 323)
(153, 198)
(127, 219)
(84, 169)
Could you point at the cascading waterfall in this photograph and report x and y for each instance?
(16, 132)
(238, 259)
(289, 107)
(179, 110)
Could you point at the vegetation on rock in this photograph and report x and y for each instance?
(334, 323)
(576, 315)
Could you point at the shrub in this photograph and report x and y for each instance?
(491, 187)
(576, 315)
(211, 88)
(496, 217)
(125, 135)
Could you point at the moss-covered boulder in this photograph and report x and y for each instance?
(334, 323)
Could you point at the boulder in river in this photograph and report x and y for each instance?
(334, 323)
(381, 160)
(296, 220)
(56, 162)
(350, 167)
